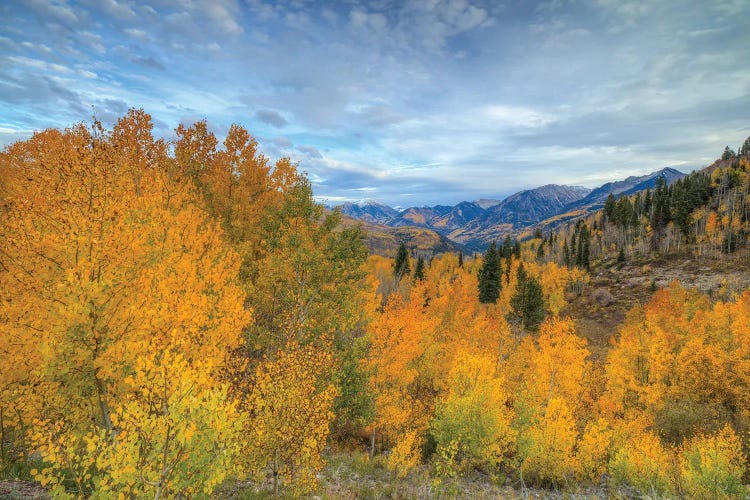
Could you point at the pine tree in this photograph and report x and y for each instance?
(609, 206)
(507, 249)
(460, 259)
(401, 267)
(528, 301)
(566, 253)
(540, 250)
(728, 154)
(489, 276)
(584, 248)
(419, 270)
(647, 202)
(745, 149)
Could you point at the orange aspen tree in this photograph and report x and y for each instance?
(108, 262)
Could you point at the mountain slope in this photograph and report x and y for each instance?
(520, 210)
(476, 224)
(629, 186)
(420, 216)
(384, 240)
(534, 205)
(369, 211)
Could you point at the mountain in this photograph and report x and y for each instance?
(534, 205)
(475, 224)
(520, 210)
(384, 240)
(459, 216)
(486, 203)
(420, 216)
(369, 211)
(629, 186)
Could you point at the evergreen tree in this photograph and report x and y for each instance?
(507, 249)
(401, 267)
(419, 270)
(517, 249)
(728, 154)
(660, 215)
(584, 248)
(528, 301)
(609, 206)
(489, 276)
(745, 149)
(540, 250)
(681, 209)
(647, 202)
(460, 259)
(566, 253)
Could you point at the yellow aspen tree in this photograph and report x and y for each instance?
(713, 466)
(288, 418)
(396, 346)
(474, 418)
(103, 257)
(547, 446)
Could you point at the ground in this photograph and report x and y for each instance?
(615, 289)
(17, 489)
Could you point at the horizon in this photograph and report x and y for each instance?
(410, 104)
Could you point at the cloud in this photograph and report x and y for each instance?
(147, 62)
(310, 151)
(282, 142)
(421, 100)
(57, 10)
(138, 34)
(119, 10)
(271, 117)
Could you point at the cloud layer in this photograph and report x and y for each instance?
(407, 102)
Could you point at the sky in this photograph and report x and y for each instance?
(411, 102)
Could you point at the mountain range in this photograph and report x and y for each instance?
(474, 224)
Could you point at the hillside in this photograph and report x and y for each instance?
(474, 225)
(369, 211)
(631, 185)
(384, 240)
(518, 211)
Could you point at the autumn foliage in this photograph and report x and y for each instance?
(138, 355)
(179, 314)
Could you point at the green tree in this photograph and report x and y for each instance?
(460, 259)
(401, 267)
(745, 149)
(728, 154)
(584, 248)
(609, 206)
(566, 253)
(419, 270)
(489, 276)
(528, 301)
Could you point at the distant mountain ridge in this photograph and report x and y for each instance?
(626, 187)
(474, 224)
(369, 211)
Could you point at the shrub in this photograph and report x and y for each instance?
(644, 463)
(712, 466)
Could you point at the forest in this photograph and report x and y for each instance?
(178, 316)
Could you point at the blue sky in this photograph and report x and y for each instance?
(406, 102)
